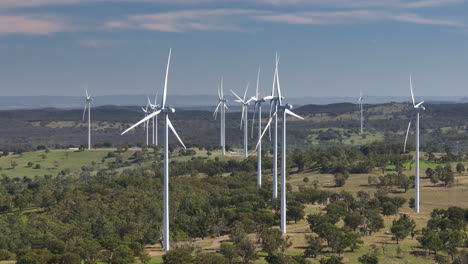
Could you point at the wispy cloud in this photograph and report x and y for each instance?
(308, 3)
(95, 43)
(186, 20)
(31, 24)
(417, 19)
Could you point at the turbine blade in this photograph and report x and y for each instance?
(142, 120)
(265, 129)
(258, 79)
(222, 92)
(245, 92)
(269, 97)
(175, 133)
(225, 106)
(248, 101)
(411, 88)
(236, 95)
(165, 80)
(278, 85)
(156, 98)
(289, 112)
(84, 112)
(216, 110)
(419, 104)
(406, 137)
(87, 96)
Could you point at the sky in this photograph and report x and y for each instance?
(326, 47)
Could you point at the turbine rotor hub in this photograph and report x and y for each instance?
(169, 110)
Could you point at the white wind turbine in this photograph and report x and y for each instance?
(244, 118)
(360, 100)
(222, 103)
(284, 109)
(146, 124)
(417, 108)
(258, 104)
(154, 107)
(88, 107)
(166, 111)
(274, 103)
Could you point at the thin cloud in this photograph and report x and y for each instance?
(185, 20)
(306, 3)
(95, 43)
(31, 25)
(417, 19)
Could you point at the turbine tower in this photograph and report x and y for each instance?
(88, 107)
(258, 104)
(274, 103)
(222, 103)
(244, 118)
(146, 124)
(165, 110)
(360, 100)
(154, 107)
(284, 109)
(417, 109)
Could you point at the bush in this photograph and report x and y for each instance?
(368, 259)
(6, 255)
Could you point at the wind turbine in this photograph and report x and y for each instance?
(274, 103)
(244, 118)
(360, 100)
(154, 107)
(146, 124)
(417, 108)
(222, 103)
(284, 109)
(88, 106)
(165, 110)
(258, 104)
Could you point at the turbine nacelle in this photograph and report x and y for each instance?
(169, 110)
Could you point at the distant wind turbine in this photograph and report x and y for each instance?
(146, 124)
(155, 107)
(244, 118)
(360, 100)
(417, 109)
(284, 109)
(88, 107)
(166, 111)
(222, 103)
(258, 104)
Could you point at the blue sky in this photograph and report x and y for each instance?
(327, 47)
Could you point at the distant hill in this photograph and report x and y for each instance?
(200, 102)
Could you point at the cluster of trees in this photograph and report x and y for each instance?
(445, 231)
(443, 174)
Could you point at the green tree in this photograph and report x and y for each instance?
(229, 251)
(460, 168)
(313, 247)
(402, 227)
(296, 211)
(179, 255)
(209, 258)
(332, 260)
(368, 259)
(353, 220)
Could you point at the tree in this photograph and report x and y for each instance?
(314, 246)
(353, 220)
(402, 227)
(352, 240)
(340, 178)
(295, 211)
(13, 164)
(246, 250)
(229, 251)
(447, 175)
(209, 258)
(429, 172)
(389, 208)
(368, 259)
(179, 255)
(460, 168)
(332, 260)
